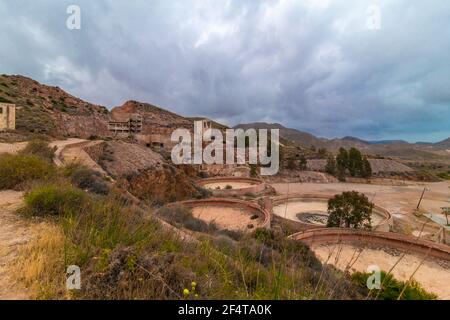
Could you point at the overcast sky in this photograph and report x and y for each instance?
(313, 65)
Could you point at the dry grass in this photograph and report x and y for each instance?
(40, 266)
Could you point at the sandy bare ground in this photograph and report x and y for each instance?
(223, 185)
(226, 217)
(401, 201)
(290, 210)
(12, 147)
(14, 234)
(433, 275)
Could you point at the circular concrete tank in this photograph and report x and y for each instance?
(231, 214)
(309, 211)
(232, 186)
(405, 256)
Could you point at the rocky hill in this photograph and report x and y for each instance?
(444, 144)
(50, 110)
(152, 115)
(305, 138)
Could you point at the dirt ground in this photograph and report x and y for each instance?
(400, 200)
(14, 234)
(433, 274)
(226, 217)
(12, 147)
(223, 185)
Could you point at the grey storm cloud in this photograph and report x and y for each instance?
(309, 64)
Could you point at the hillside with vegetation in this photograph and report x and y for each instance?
(50, 110)
(127, 252)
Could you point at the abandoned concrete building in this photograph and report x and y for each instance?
(7, 116)
(149, 134)
(130, 125)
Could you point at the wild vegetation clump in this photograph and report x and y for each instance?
(393, 289)
(87, 179)
(54, 200)
(15, 170)
(41, 149)
(445, 175)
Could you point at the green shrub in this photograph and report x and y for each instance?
(90, 180)
(17, 169)
(391, 288)
(54, 200)
(444, 175)
(202, 193)
(39, 148)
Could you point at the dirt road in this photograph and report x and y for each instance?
(68, 150)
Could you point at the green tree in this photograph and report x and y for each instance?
(253, 170)
(350, 209)
(303, 163)
(355, 162)
(322, 153)
(366, 171)
(341, 163)
(330, 167)
(342, 158)
(291, 165)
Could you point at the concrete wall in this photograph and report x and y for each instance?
(370, 238)
(7, 116)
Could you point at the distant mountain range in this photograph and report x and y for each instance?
(387, 148)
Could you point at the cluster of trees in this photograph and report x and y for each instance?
(351, 162)
(321, 152)
(302, 163)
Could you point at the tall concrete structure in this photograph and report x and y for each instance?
(7, 116)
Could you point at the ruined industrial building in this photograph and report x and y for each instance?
(7, 116)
